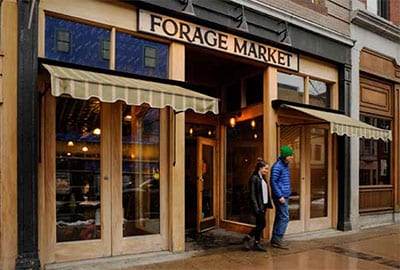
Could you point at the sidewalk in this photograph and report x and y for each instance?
(373, 248)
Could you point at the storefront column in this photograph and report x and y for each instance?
(177, 183)
(355, 142)
(8, 140)
(344, 152)
(270, 130)
(27, 115)
(396, 152)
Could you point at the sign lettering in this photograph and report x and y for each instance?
(172, 28)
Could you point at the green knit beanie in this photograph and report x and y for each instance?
(286, 151)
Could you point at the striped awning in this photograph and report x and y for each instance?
(345, 125)
(82, 84)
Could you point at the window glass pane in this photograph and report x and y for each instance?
(372, 6)
(319, 93)
(150, 57)
(208, 181)
(319, 172)
(141, 56)
(150, 62)
(290, 87)
(244, 146)
(141, 170)
(375, 156)
(63, 41)
(290, 135)
(383, 8)
(78, 169)
(106, 49)
(78, 43)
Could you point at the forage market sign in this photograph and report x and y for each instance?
(172, 28)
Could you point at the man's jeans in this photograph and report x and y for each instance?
(281, 219)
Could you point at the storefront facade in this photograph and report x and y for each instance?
(150, 120)
(375, 200)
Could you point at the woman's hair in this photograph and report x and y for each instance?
(260, 163)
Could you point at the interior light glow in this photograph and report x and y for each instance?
(96, 131)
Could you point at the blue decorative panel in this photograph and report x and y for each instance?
(86, 43)
(130, 56)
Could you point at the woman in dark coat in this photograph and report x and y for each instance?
(260, 200)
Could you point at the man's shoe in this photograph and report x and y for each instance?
(258, 247)
(246, 242)
(279, 244)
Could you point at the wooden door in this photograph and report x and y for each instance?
(104, 194)
(206, 184)
(310, 202)
(139, 179)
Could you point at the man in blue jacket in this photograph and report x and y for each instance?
(280, 186)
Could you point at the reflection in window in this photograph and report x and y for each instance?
(290, 87)
(375, 156)
(141, 170)
(63, 41)
(319, 173)
(319, 93)
(244, 146)
(150, 57)
(77, 169)
(105, 49)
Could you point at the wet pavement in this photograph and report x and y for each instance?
(373, 248)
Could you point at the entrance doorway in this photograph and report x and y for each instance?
(310, 202)
(200, 184)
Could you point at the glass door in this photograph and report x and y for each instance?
(206, 174)
(138, 179)
(293, 136)
(78, 229)
(103, 179)
(319, 188)
(310, 199)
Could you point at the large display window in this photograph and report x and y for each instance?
(77, 169)
(244, 146)
(141, 170)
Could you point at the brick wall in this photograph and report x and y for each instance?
(332, 14)
(395, 12)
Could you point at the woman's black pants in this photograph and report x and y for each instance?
(260, 225)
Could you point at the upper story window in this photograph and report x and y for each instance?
(319, 93)
(379, 7)
(141, 56)
(303, 90)
(290, 87)
(77, 43)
